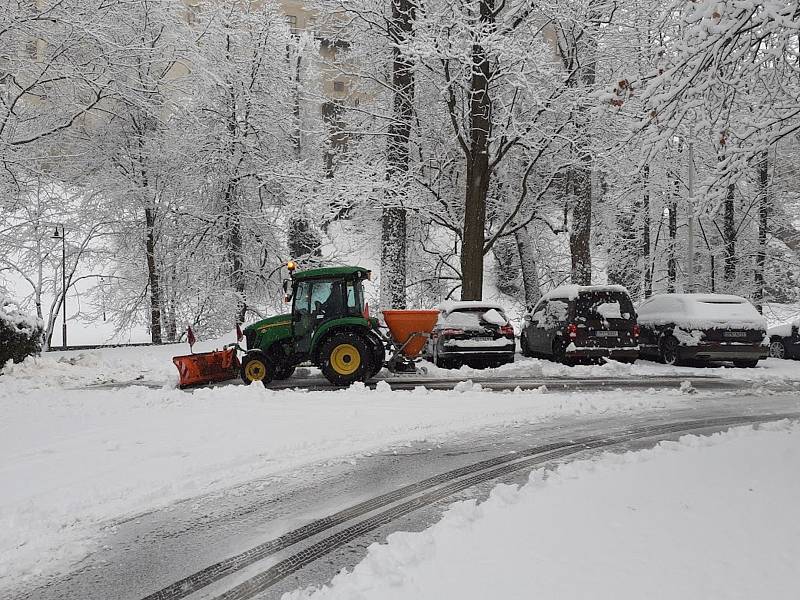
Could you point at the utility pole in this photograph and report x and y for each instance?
(690, 202)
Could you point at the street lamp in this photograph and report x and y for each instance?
(56, 236)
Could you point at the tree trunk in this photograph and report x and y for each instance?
(648, 273)
(394, 226)
(478, 172)
(235, 250)
(729, 235)
(672, 229)
(763, 218)
(530, 271)
(580, 232)
(153, 275)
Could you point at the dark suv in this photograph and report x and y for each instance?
(573, 323)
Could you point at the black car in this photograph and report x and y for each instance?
(684, 328)
(473, 333)
(574, 323)
(784, 340)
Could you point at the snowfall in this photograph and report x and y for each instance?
(77, 455)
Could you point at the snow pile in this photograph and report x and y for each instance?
(704, 517)
(74, 459)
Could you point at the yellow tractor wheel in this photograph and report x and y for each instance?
(256, 367)
(345, 358)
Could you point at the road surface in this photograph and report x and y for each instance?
(263, 538)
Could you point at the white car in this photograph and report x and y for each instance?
(682, 328)
(472, 333)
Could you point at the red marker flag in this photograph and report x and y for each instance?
(190, 337)
(239, 334)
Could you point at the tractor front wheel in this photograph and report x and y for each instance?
(256, 367)
(345, 358)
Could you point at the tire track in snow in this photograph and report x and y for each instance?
(427, 492)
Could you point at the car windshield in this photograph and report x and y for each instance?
(605, 305)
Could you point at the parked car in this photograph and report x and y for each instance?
(472, 333)
(573, 323)
(784, 340)
(682, 328)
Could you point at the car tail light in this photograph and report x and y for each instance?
(507, 330)
(635, 331)
(451, 332)
(572, 330)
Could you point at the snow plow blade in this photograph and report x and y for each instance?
(207, 367)
(410, 329)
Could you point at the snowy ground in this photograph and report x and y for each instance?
(704, 517)
(73, 458)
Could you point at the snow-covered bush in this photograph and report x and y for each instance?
(20, 334)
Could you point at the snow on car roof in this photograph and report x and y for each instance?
(449, 306)
(719, 298)
(701, 311)
(573, 291)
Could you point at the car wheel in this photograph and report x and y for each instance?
(256, 367)
(560, 353)
(777, 349)
(668, 351)
(524, 347)
(444, 363)
(345, 358)
(745, 364)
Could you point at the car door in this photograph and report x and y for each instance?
(553, 322)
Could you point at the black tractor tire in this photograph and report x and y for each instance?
(378, 356)
(777, 349)
(668, 351)
(256, 367)
(345, 358)
(284, 371)
(745, 364)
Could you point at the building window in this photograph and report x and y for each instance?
(291, 20)
(338, 86)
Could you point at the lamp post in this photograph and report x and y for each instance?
(60, 235)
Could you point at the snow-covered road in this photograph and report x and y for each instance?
(80, 465)
(139, 555)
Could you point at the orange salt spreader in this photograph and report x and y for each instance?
(409, 331)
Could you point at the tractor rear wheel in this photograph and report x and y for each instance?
(256, 367)
(378, 357)
(345, 358)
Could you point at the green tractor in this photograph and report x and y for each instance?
(329, 326)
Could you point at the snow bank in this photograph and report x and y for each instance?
(771, 369)
(705, 517)
(71, 460)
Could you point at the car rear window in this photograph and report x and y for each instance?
(604, 305)
(472, 317)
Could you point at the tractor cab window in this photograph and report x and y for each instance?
(355, 300)
(327, 299)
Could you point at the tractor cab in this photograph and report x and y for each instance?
(321, 298)
(328, 326)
